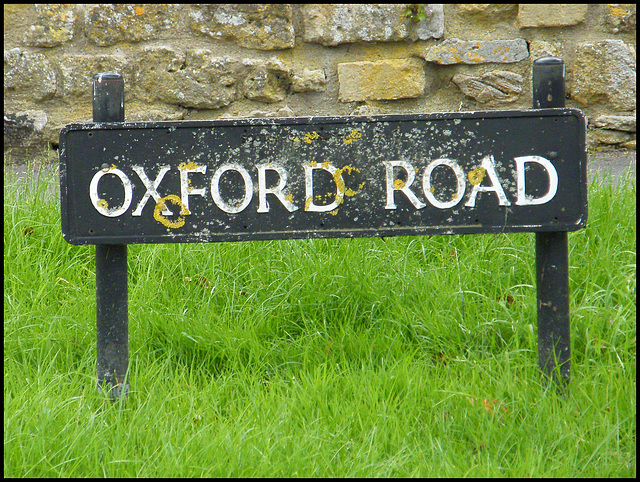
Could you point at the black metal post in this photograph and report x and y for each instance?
(552, 253)
(112, 304)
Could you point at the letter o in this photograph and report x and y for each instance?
(95, 199)
(426, 183)
(215, 189)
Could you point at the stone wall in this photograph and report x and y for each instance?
(189, 62)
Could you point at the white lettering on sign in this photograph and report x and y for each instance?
(277, 191)
(309, 205)
(215, 189)
(101, 205)
(399, 177)
(186, 189)
(489, 168)
(428, 190)
(523, 199)
(152, 189)
(400, 185)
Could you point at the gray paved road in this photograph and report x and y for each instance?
(617, 163)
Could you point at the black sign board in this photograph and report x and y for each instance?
(387, 175)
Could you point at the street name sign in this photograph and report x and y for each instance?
(307, 177)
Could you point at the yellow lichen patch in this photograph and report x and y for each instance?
(350, 192)
(398, 184)
(157, 212)
(337, 177)
(354, 135)
(310, 136)
(187, 165)
(289, 197)
(313, 164)
(295, 139)
(307, 202)
(432, 189)
(139, 10)
(348, 169)
(476, 58)
(454, 195)
(616, 11)
(476, 175)
(102, 203)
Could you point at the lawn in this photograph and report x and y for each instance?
(407, 356)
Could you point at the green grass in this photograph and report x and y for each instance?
(410, 356)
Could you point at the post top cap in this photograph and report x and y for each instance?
(548, 61)
(107, 76)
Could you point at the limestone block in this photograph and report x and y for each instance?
(551, 15)
(491, 10)
(456, 51)
(265, 81)
(334, 24)
(77, 71)
(497, 86)
(254, 26)
(194, 79)
(309, 80)
(605, 71)
(28, 76)
(109, 24)
(616, 122)
(55, 25)
(542, 48)
(620, 17)
(430, 27)
(611, 137)
(381, 80)
(206, 82)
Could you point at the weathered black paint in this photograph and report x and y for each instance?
(552, 252)
(552, 280)
(362, 144)
(112, 303)
(112, 318)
